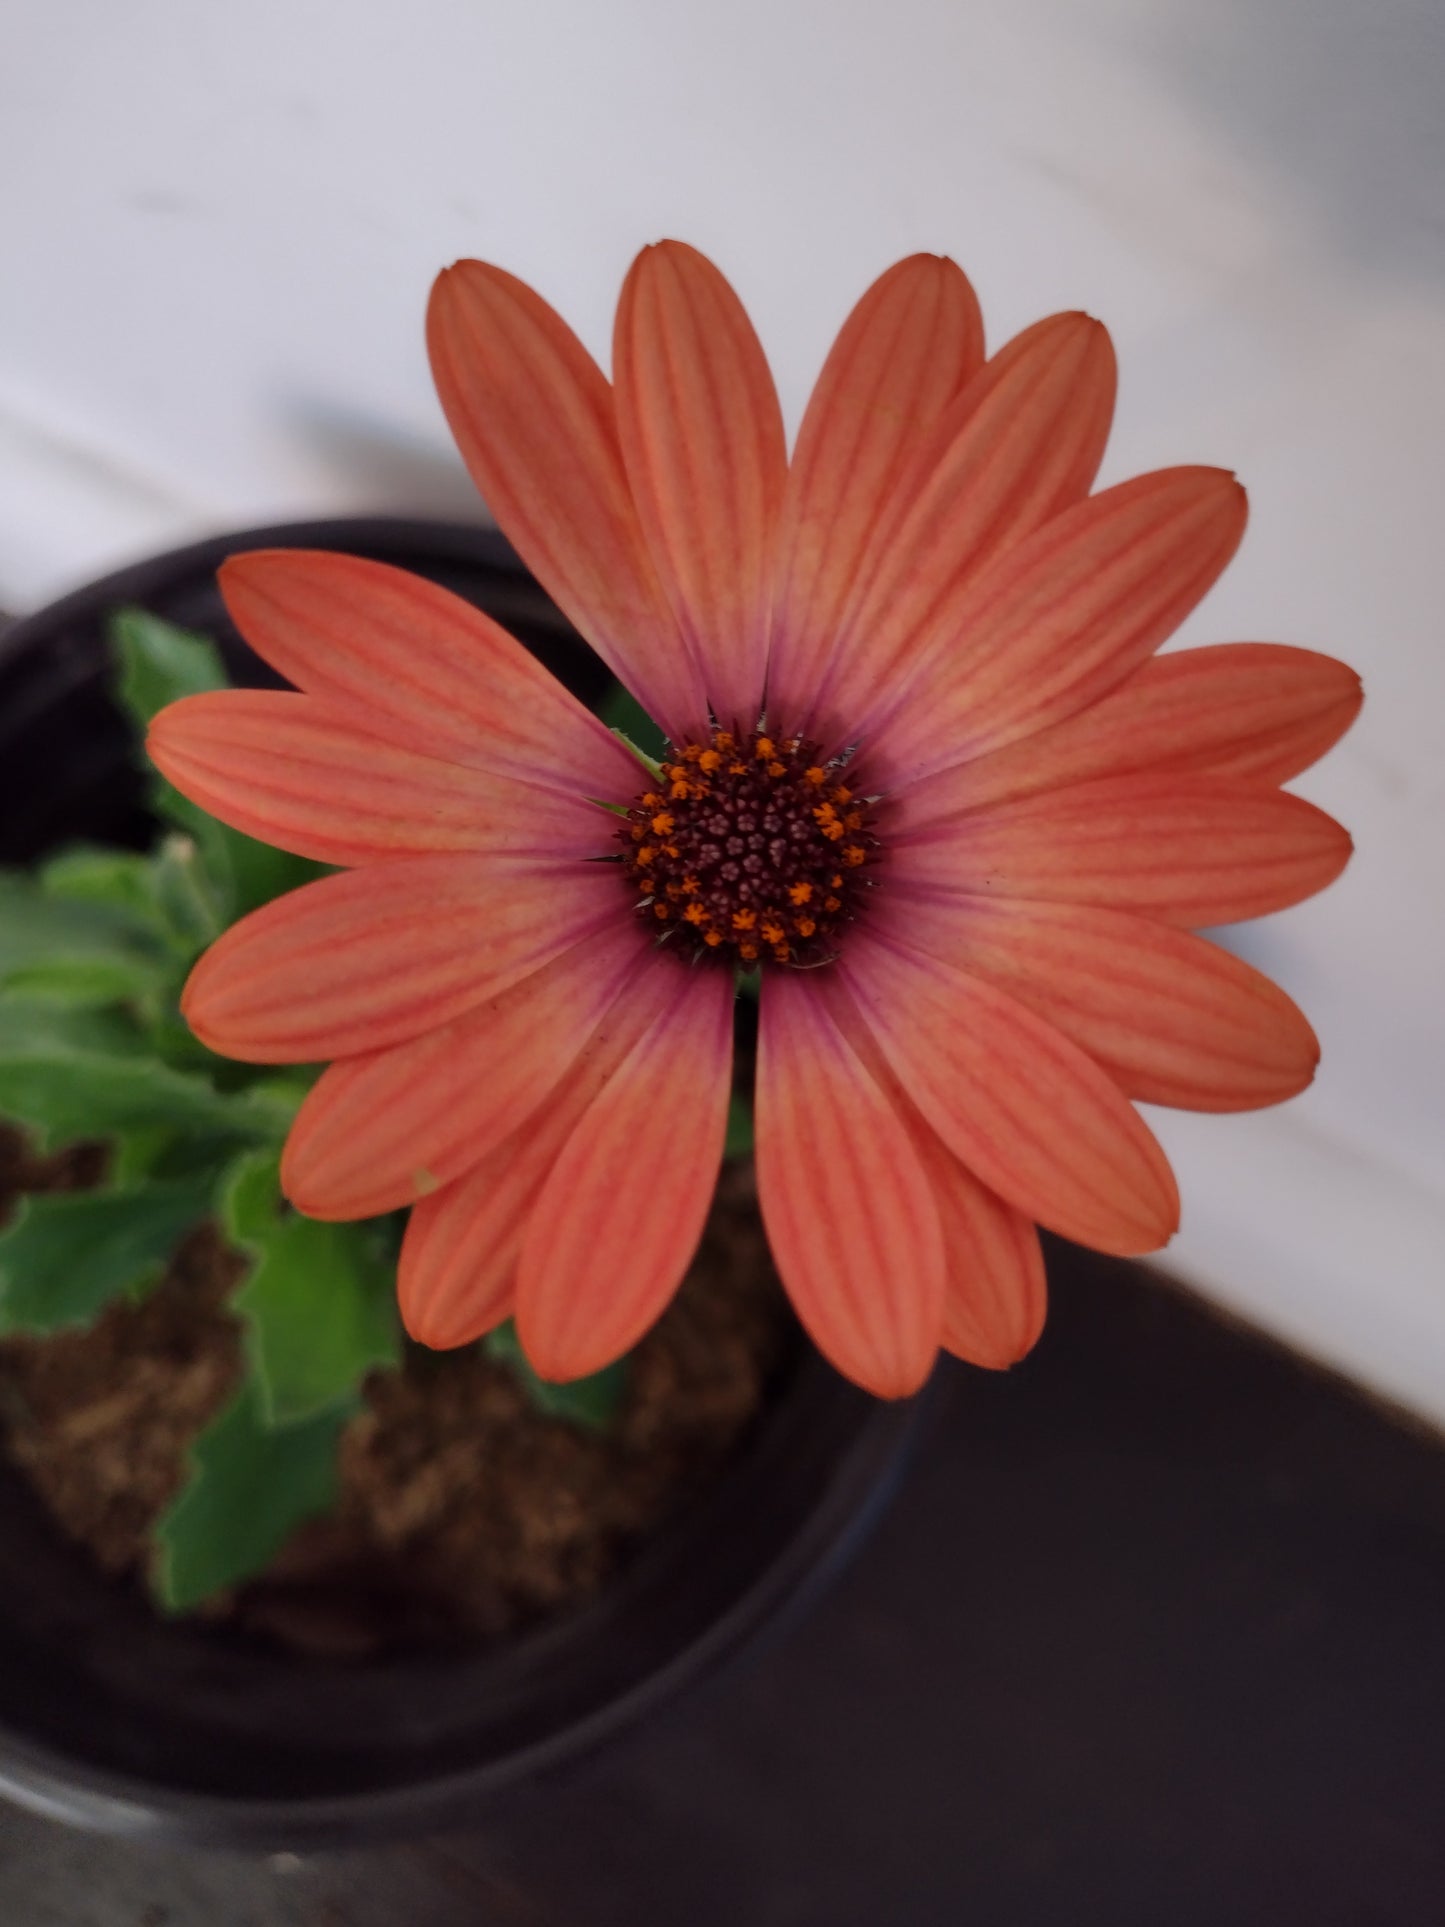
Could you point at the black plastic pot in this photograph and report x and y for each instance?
(114, 1718)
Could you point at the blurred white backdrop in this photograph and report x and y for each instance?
(218, 226)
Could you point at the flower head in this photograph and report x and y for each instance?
(926, 772)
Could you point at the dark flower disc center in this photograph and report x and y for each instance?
(748, 850)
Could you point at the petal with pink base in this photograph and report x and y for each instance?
(368, 958)
(458, 1272)
(1022, 442)
(298, 774)
(1259, 712)
(534, 418)
(620, 1215)
(416, 665)
(384, 1129)
(907, 349)
(1191, 850)
(1059, 620)
(848, 1205)
(1026, 1110)
(1174, 1019)
(702, 438)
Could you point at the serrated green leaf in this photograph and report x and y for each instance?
(739, 1140)
(250, 1485)
(157, 663)
(73, 952)
(621, 711)
(592, 1402)
(319, 1304)
(63, 1090)
(65, 1256)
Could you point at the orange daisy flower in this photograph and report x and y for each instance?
(926, 772)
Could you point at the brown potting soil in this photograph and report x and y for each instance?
(463, 1513)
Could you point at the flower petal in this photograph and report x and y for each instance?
(533, 416)
(384, 1129)
(296, 773)
(365, 959)
(902, 355)
(1192, 850)
(1023, 1107)
(1174, 1019)
(621, 1213)
(418, 666)
(1257, 711)
(1060, 619)
(848, 1206)
(702, 438)
(996, 1294)
(458, 1272)
(1022, 442)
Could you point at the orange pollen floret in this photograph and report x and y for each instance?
(746, 858)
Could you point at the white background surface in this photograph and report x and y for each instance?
(218, 225)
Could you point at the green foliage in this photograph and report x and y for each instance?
(71, 951)
(157, 663)
(251, 1484)
(319, 1303)
(63, 1258)
(593, 1403)
(739, 1140)
(624, 714)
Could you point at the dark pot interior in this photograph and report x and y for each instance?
(114, 1718)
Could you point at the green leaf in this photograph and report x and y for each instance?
(319, 1304)
(71, 951)
(66, 1086)
(739, 1139)
(157, 663)
(592, 1403)
(622, 712)
(118, 880)
(251, 1484)
(65, 1256)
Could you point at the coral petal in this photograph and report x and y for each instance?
(1021, 443)
(458, 1272)
(1057, 621)
(1257, 711)
(297, 773)
(996, 1295)
(1015, 1100)
(909, 346)
(365, 959)
(534, 418)
(848, 1206)
(418, 666)
(1174, 1019)
(1191, 850)
(387, 1128)
(702, 437)
(622, 1211)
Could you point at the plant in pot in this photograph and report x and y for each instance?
(923, 799)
